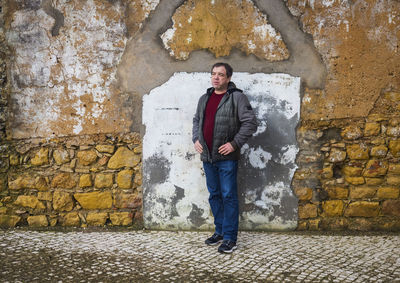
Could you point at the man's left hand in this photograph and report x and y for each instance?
(226, 148)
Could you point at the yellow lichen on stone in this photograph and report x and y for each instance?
(121, 218)
(221, 25)
(41, 157)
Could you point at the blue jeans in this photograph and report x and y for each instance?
(221, 179)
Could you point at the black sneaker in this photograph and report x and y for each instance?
(227, 246)
(214, 240)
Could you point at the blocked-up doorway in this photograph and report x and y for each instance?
(174, 190)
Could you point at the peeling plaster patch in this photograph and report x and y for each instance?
(75, 69)
(258, 158)
(353, 38)
(236, 23)
(265, 170)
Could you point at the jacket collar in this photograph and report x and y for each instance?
(231, 88)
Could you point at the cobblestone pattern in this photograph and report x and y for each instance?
(73, 181)
(141, 256)
(349, 173)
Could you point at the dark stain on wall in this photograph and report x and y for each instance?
(161, 174)
(195, 216)
(179, 194)
(55, 14)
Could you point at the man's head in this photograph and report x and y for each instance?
(221, 74)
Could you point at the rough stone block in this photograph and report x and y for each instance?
(103, 181)
(29, 201)
(85, 181)
(96, 218)
(94, 200)
(122, 200)
(327, 172)
(351, 171)
(355, 180)
(105, 148)
(63, 181)
(121, 218)
(351, 133)
(336, 155)
(360, 224)
(70, 219)
(337, 192)
(393, 131)
(393, 180)
(372, 129)
(41, 157)
(394, 147)
(388, 193)
(362, 209)
(47, 196)
(3, 210)
(9, 221)
(357, 151)
(62, 201)
(38, 221)
(123, 158)
(138, 178)
(374, 181)
(313, 224)
(332, 208)
(86, 157)
(379, 151)
(375, 168)
(61, 156)
(303, 193)
(22, 182)
(394, 168)
(124, 179)
(391, 207)
(307, 211)
(362, 192)
(14, 160)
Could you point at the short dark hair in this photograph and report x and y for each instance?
(228, 68)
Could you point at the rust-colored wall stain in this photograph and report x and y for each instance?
(65, 84)
(219, 26)
(359, 43)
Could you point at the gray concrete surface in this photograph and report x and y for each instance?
(143, 256)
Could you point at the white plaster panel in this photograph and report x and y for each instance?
(175, 194)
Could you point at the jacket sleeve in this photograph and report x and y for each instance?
(248, 122)
(196, 120)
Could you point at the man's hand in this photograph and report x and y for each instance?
(198, 147)
(226, 148)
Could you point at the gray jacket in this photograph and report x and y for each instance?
(235, 122)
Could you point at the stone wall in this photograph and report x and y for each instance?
(73, 75)
(76, 181)
(350, 174)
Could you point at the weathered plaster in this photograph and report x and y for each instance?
(147, 64)
(64, 65)
(359, 43)
(220, 25)
(175, 196)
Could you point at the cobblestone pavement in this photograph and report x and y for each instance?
(143, 256)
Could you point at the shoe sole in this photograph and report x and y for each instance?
(229, 251)
(214, 244)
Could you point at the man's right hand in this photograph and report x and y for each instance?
(198, 147)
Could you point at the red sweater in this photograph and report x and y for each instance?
(209, 118)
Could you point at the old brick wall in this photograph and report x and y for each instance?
(72, 82)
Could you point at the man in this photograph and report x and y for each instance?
(223, 122)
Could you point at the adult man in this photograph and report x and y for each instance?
(223, 122)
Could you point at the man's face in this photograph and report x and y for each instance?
(219, 80)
